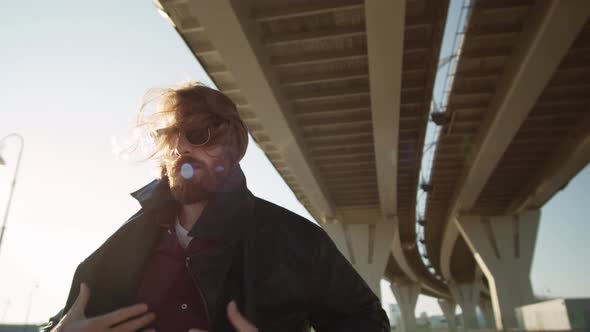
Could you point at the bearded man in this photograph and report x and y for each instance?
(203, 246)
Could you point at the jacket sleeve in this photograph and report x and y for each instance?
(341, 299)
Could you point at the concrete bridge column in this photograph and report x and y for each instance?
(466, 295)
(488, 313)
(406, 296)
(448, 308)
(503, 247)
(366, 246)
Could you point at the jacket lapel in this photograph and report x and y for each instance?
(122, 263)
(210, 272)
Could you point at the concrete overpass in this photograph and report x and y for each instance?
(338, 95)
(517, 131)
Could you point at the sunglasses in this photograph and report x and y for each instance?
(198, 137)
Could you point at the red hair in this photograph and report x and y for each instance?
(191, 106)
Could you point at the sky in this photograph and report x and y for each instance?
(72, 75)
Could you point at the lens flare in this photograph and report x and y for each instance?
(187, 171)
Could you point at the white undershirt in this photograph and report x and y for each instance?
(182, 234)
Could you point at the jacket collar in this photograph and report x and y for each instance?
(225, 216)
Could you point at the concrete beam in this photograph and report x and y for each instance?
(318, 35)
(233, 33)
(385, 22)
(448, 307)
(488, 313)
(400, 257)
(318, 58)
(545, 40)
(503, 247)
(385, 39)
(466, 295)
(324, 78)
(286, 12)
(366, 246)
(569, 159)
(406, 296)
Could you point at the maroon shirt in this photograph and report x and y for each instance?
(167, 286)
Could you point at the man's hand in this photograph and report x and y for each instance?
(237, 320)
(76, 321)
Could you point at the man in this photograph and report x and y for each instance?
(203, 246)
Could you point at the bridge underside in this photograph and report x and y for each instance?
(338, 94)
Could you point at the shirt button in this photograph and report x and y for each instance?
(183, 306)
(170, 232)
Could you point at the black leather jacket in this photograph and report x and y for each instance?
(284, 272)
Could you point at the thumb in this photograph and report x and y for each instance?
(79, 307)
(237, 320)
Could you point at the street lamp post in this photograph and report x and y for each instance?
(2, 162)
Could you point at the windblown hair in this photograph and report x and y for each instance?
(189, 106)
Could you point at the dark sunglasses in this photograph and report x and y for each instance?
(198, 137)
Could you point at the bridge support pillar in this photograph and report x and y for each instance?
(366, 246)
(503, 247)
(488, 313)
(466, 295)
(406, 296)
(448, 308)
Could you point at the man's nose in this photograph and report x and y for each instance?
(182, 146)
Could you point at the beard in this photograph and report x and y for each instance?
(192, 181)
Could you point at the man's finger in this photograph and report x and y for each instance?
(121, 315)
(238, 321)
(77, 310)
(135, 324)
